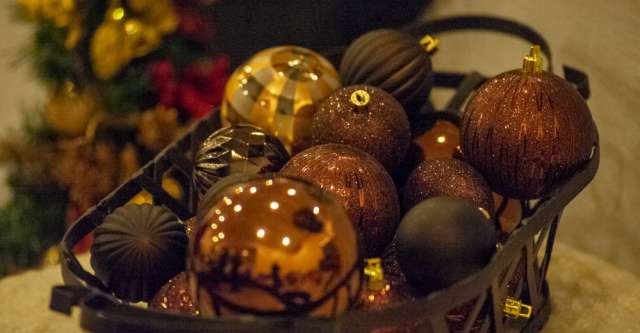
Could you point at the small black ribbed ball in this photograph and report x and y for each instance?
(441, 241)
(137, 249)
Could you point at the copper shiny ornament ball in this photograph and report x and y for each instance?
(367, 118)
(175, 297)
(278, 89)
(527, 130)
(273, 246)
(439, 141)
(238, 149)
(448, 177)
(359, 182)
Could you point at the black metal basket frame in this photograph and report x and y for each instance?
(102, 312)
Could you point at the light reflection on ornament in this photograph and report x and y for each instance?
(221, 218)
(227, 201)
(316, 210)
(274, 205)
(286, 241)
(221, 235)
(237, 208)
(291, 191)
(253, 189)
(261, 233)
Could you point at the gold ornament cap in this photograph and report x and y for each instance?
(374, 274)
(533, 62)
(430, 43)
(360, 97)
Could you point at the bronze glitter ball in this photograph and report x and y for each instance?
(175, 297)
(367, 118)
(527, 130)
(450, 177)
(359, 182)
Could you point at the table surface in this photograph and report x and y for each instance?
(588, 295)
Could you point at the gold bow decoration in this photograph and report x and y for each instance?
(129, 32)
(63, 13)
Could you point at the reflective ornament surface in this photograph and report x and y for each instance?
(440, 141)
(527, 130)
(360, 183)
(273, 246)
(277, 90)
(237, 149)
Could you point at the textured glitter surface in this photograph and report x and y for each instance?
(448, 177)
(527, 132)
(174, 297)
(236, 149)
(380, 127)
(391, 60)
(360, 183)
(273, 246)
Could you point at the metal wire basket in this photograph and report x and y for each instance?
(491, 303)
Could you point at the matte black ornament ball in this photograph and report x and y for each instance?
(527, 130)
(137, 249)
(367, 118)
(448, 177)
(442, 241)
(360, 183)
(391, 60)
(237, 149)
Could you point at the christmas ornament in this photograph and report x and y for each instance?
(129, 32)
(377, 293)
(527, 130)
(442, 241)
(273, 246)
(277, 90)
(438, 141)
(237, 149)
(508, 212)
(393, 61)
(447, 177)
(359, 182)
(137, 249)
(175, 297)
(367, 118)
(196, 89)
(158, 127)
(70, 109)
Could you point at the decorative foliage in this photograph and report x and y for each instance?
(125, 76)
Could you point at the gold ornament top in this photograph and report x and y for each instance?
(532, 63)
(430, 43)
(374, 274)
(360, 97)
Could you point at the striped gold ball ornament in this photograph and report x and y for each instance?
(278, 89)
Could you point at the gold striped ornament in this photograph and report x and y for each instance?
(277, 90)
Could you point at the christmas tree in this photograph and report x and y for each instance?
(124, 78)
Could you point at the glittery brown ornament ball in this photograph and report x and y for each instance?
(449, 177)
(175, 297)
(527, 130)
(367, 118)
(359, 182)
